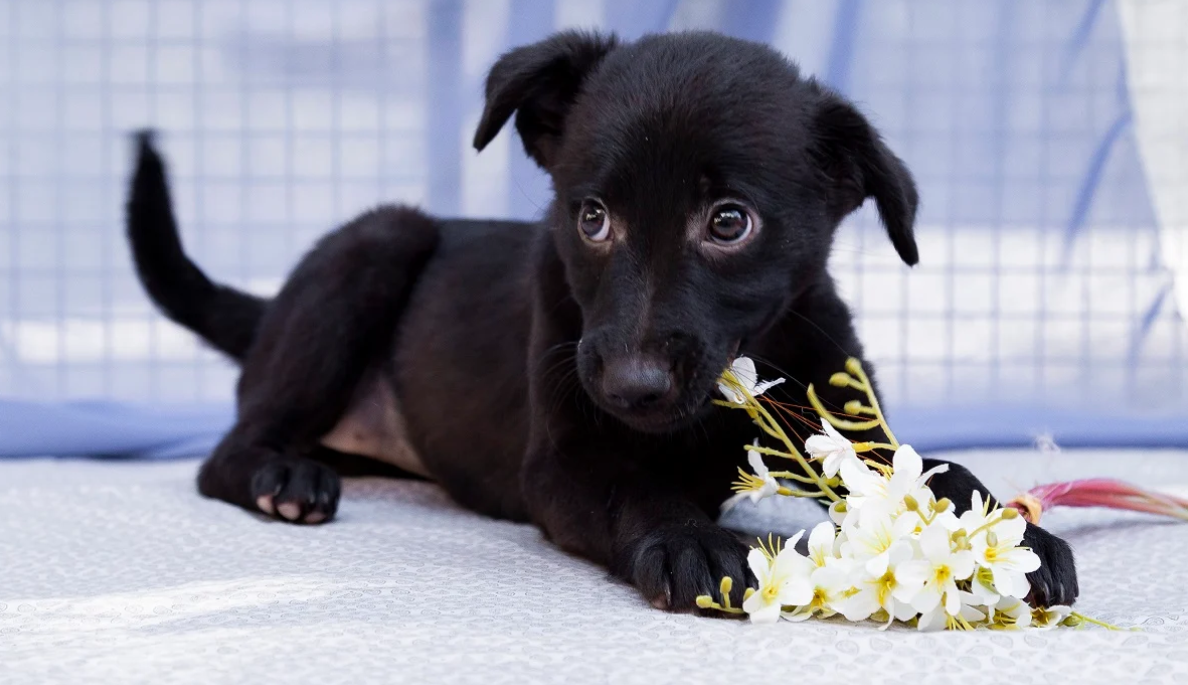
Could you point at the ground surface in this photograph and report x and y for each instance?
(119, 572)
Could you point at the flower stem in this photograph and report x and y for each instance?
(792, 476)
(857, 379)
(855, 367)
(788, 492)
(769, 425)
(1094, 621)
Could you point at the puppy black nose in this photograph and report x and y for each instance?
(635, 382)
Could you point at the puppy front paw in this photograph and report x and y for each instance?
(1055, 581)
(672, 565)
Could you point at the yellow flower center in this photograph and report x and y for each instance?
(770, 592)
(941, 575)
(748, 482)
(885, 585)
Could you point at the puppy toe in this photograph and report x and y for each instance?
(289, 510)
(264, 503)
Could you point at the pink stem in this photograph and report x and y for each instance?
(1098, 492)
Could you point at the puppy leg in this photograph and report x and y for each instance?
(1055, 581)
(334, 317)
(591, 501)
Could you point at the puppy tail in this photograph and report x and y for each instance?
(226, 318)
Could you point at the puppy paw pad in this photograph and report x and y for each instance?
(264, 504)
(289, 510)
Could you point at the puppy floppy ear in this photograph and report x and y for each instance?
(539, 82)
(857, 165)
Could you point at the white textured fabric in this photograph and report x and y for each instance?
(121, 573)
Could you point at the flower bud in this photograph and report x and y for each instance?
(727, 584)
(705, 601)
(991, 538)
(840, 379)
(854, 366)
(911, 503)
(942, 505)
(840, 507)
(853, 407)
(1010, 513)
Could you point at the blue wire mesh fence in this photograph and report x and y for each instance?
(1049, 139)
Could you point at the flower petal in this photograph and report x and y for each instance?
(821, 539)
(801, 614)
(760, 611)
(756, 461)
(819, 446)
(795, 592)
(962, 564)
(907, 462)
(760, 566)
(931, 620)
(731, 394)
(743, 369)
(934, 543)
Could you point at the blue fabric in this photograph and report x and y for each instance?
(116, 430)
(109, 429)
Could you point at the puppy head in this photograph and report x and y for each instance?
(699, 180)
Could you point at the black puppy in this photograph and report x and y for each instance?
(562, 372)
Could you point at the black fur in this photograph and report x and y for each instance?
(224, 317)
(546, 377)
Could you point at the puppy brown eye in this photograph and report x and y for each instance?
(730, 224)
(594, 222)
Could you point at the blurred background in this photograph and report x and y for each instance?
(1049, 139)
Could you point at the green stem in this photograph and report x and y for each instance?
(855, 367)
(796, 455)
(769, 425)
(1094, 621)
(839, 423)
(767, 450)
(789, 492)
(792, 476)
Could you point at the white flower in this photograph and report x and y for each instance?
(1049, 617)
(822, 545)
(939, 618)
(832, 447)
(870, 538)
(743, 369)
(784, 580)
(830, 584)
(839, 512)
(978, 514)
(886, 591)
(757, 485)
(997, 548)
(1009, 612)
(981, 586)
(938, 571)
(872, 491)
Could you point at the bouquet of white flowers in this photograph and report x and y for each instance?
(892, 551)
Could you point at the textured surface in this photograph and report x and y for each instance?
(119, 572)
